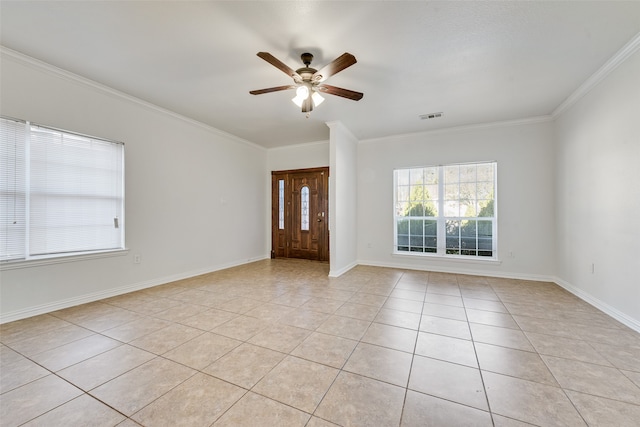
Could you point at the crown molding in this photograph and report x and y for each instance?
(627, 50)
(300, 145)
(67, 75)
(465, 128)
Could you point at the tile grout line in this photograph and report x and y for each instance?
(475, 350)
(413, 355)
(341, 369)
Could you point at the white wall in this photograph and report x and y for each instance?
(524, 152)
(343, 192)
(598, 194)
(303, 156)
(192, 192)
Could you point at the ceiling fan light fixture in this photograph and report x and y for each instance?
(317, 98)
(302, 93)
(298, 101)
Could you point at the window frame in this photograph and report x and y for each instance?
(441, 218)
(27, 259)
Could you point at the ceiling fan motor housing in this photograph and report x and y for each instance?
(306, 58)
(307, 72)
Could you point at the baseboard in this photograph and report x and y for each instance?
(338, 273)
(96, 296)
(461, 270)
(600, 305)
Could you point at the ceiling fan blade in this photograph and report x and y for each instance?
(338, 91)
(340, 63)
(279, 65)
(271, 89)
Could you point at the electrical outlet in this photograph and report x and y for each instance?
(137, 259)
(593, 268)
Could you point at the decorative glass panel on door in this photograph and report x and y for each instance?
(281, 204)
(304, 204)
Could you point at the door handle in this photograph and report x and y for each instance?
(319, 220)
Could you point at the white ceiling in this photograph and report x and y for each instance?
(478, 62)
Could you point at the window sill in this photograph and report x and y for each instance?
(58, 259)
(448, 258)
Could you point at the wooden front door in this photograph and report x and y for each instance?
(300, 207)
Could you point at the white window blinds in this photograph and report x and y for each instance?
(13, 136)
(74, 194)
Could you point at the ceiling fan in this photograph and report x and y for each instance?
(308, 81)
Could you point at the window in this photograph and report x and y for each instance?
(446, 210)
(61, 193)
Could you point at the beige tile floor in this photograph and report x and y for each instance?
(278, 343)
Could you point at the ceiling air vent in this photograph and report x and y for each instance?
(430, 116)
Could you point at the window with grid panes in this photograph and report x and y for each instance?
(446, 210)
